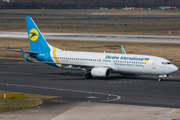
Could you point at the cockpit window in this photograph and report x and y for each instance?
(166, 63)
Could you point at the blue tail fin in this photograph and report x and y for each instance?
(36, 39)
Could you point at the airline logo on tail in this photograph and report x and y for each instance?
(33, 34)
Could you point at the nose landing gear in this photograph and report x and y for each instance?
(161, 77)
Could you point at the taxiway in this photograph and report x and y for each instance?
(40, 78)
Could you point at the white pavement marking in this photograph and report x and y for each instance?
(80, 91)
(173, 110)
(97, 37)
(91, 97)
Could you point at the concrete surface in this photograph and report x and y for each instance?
(93, 111)
(102, 111)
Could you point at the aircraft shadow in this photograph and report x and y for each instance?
(81, 76)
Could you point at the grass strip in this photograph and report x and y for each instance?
(169, 51)
(28, 101)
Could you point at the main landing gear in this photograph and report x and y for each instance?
(88, 75)
(160, 79)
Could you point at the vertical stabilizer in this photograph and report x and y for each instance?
(36, 39)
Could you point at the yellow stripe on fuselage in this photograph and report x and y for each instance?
(54, 54)
(146, 60)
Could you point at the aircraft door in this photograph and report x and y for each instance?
(99, 60)
(154, 64)
(102, 61)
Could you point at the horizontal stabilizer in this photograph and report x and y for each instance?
(31, 52)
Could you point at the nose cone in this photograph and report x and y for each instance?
(174, 68)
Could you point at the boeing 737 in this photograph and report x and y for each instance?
(95, 64)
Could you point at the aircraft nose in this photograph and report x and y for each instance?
(174, 68)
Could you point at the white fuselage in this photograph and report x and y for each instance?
(120, 63)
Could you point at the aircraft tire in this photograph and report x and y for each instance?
(88, 76)
(160, 80)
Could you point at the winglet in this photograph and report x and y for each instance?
(25, 56)
(122, 50)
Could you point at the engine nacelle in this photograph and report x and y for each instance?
(101, 72)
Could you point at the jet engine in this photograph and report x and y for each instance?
(101, 72)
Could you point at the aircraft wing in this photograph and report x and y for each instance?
(83, 67)
(63, 65)
(80, 66)
(72, 66)
(68, 65)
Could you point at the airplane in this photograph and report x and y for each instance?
(94, 63)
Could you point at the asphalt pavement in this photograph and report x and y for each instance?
(114, 98)
(97, 37)
(43, 79)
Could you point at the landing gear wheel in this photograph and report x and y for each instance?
(160, 80)
(88, 76)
